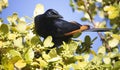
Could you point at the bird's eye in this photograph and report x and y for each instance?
(53, 13)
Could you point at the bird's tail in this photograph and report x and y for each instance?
(98, 30)
(86, 28)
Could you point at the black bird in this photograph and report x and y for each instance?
(51, 24)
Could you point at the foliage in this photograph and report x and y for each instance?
(105, 10)
(3, 4)
(22, 49)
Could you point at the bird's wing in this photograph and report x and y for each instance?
(69, 28)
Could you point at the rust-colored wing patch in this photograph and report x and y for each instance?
(82, 28)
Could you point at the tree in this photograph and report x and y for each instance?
(21, 48)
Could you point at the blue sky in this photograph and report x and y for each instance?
(26, 8)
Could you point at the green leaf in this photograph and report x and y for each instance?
(21, 27)
(69, 60)
(97, 59)
(113, 14)
(93, 52)
(15, 16)
(116, 50)
(52, 56)
(79, 57)
(75, 66)
(116, 65)
(35, 40)
(113, 42)
(12, 57)
(102, 24)
(52, 53)
(116, 36)
(80, 2)
(46, 56)
(9, 18)
(29, 55)
(4, 28)
(54, 59)
(1, 21)
(14, 53)
(107, 60)
(102, 50)
(20, 64)
(107, 65)
(9, 66)
(15, 59)
(86, 57)
(113, 11)
(84, 19)
(48, 42)
(39, 9)
(72, 46)
(5, 3)
(82, 64)
(18, 43)
(65, 46)
(42, 62)
(87, 16)
(76, 35)
(111, 54)
(71, 3)
(88, 40)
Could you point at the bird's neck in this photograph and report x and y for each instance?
(49, 20)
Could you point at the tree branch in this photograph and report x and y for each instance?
(92, 21)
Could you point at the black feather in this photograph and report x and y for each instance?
(98, 30)
(51, 24)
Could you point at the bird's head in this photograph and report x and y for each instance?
(51, 13)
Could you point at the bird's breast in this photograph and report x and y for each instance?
(45, 29)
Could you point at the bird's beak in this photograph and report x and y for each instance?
(60, 16)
